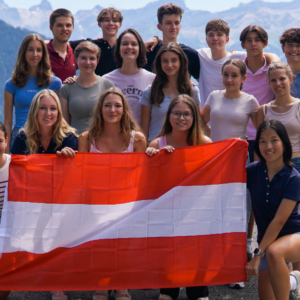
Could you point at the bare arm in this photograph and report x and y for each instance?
(254, 120)
(65, 109)
(145, 119)
(140, 144)
(8, 111)
(83, 142)
(260, 117)
(271, 57)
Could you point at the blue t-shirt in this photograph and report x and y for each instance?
(266, 196)
(158, 114)
(295, 87)
(23, 96)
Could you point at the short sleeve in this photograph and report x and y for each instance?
(55, 84)
(65, 91)
(108, 83)
(70, 141)
(292, 190)
(209, 101)
(74, 44)
(145, 100)
(9, 87)
(254, 106)
(19, 146)
(196, 94)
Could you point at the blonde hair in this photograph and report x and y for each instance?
(31, 128)
(97, 122)
(20, 73)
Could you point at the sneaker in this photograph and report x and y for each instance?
(59, 295)
(164, 297)
(101, 295)
(122, 295)
(249, 256)
(295, 294)
(237, 285)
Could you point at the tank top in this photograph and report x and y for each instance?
(129, 149)
(289, 119)
(162, 141)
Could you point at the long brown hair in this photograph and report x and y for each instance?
(97, 122)
(196, 135)
(183, 81)
(31, 128)
(20, 73)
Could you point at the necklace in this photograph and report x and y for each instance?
(44, 140)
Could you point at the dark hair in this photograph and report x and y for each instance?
(183, 81)
(87, 46)
(217, 25)
(168, 9)
(195, 135)
(239, 64)
(263, 35)
(2, 128)
(61, 12)
(279, 128)
(142, 57)
(110, 10)
(291, 35)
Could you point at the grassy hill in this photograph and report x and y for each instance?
(11, 39)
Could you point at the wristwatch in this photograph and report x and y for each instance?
(257, 251)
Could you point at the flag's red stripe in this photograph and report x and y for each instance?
(140, 263)
(120, 178)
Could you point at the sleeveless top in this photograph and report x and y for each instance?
(162, 141)
(289, 119)
(129, 149)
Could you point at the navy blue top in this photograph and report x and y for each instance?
(266, 196)
(20, 146)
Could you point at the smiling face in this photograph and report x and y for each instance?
(232, 78)
(47, 112)
(181, 117)
(87, 62)
(129, 48)
(271, 146)
(280, 82)
(170, 63)
(170, 27)
(216, 40)
(112, 108)
(62, 29)
(291, 51)
(34, 53)
(110, 25)
(253, 44)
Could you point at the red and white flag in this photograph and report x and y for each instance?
(125, 221)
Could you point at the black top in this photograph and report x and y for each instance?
(192, 55)
(20, 146)
(107, 62)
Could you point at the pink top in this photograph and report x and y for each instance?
(162, 141)
(258, 86)
(289, 119)
(129, 149)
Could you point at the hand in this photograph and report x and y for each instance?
(70, 80)
(68, 152)
(168, 148)
(232, 51)
(151, 44)
(252, 267)
(192, 83)
(151, 151)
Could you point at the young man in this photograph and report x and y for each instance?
(110, 21)
(290, 41)
(169, 23)
(61, 54)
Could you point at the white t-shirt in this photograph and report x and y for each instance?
(210, 72)
(229, 117)
(132, 87)
(3, 180)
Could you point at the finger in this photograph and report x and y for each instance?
(58, 153)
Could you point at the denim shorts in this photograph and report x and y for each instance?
(296, 161)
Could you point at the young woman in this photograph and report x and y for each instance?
(112, 130)
(130, 77)
(275, 191)
(32, 73)
(79, 98)
(172, 78)
(181, 129)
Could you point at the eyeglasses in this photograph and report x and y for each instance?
(186, 115)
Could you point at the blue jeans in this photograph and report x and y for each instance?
(296, 161)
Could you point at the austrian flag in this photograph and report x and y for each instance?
(125, 221)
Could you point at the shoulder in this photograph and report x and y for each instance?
(111, 75)
(106, 82)
(55, 82)
(207, 140)
(146, 95)
(99, 42)
(188, 50)
(155, 143)
(19, 146)
(139, 135)
(195, 89)
(147, 73)
(204, 52)
(9, 86)
(70, 140)
(254, 166)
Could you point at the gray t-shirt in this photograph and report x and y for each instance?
(83, 100)
(158, 114)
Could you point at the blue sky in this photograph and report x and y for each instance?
(216, 5)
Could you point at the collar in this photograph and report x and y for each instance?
(52, 50)
(284, 171)
(260, 71)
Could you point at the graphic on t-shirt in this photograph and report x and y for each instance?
(133, 96)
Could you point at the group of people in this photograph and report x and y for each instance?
(131, 96)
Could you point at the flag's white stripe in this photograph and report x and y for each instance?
(182, 211)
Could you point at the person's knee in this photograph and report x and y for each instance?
(274, 254)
